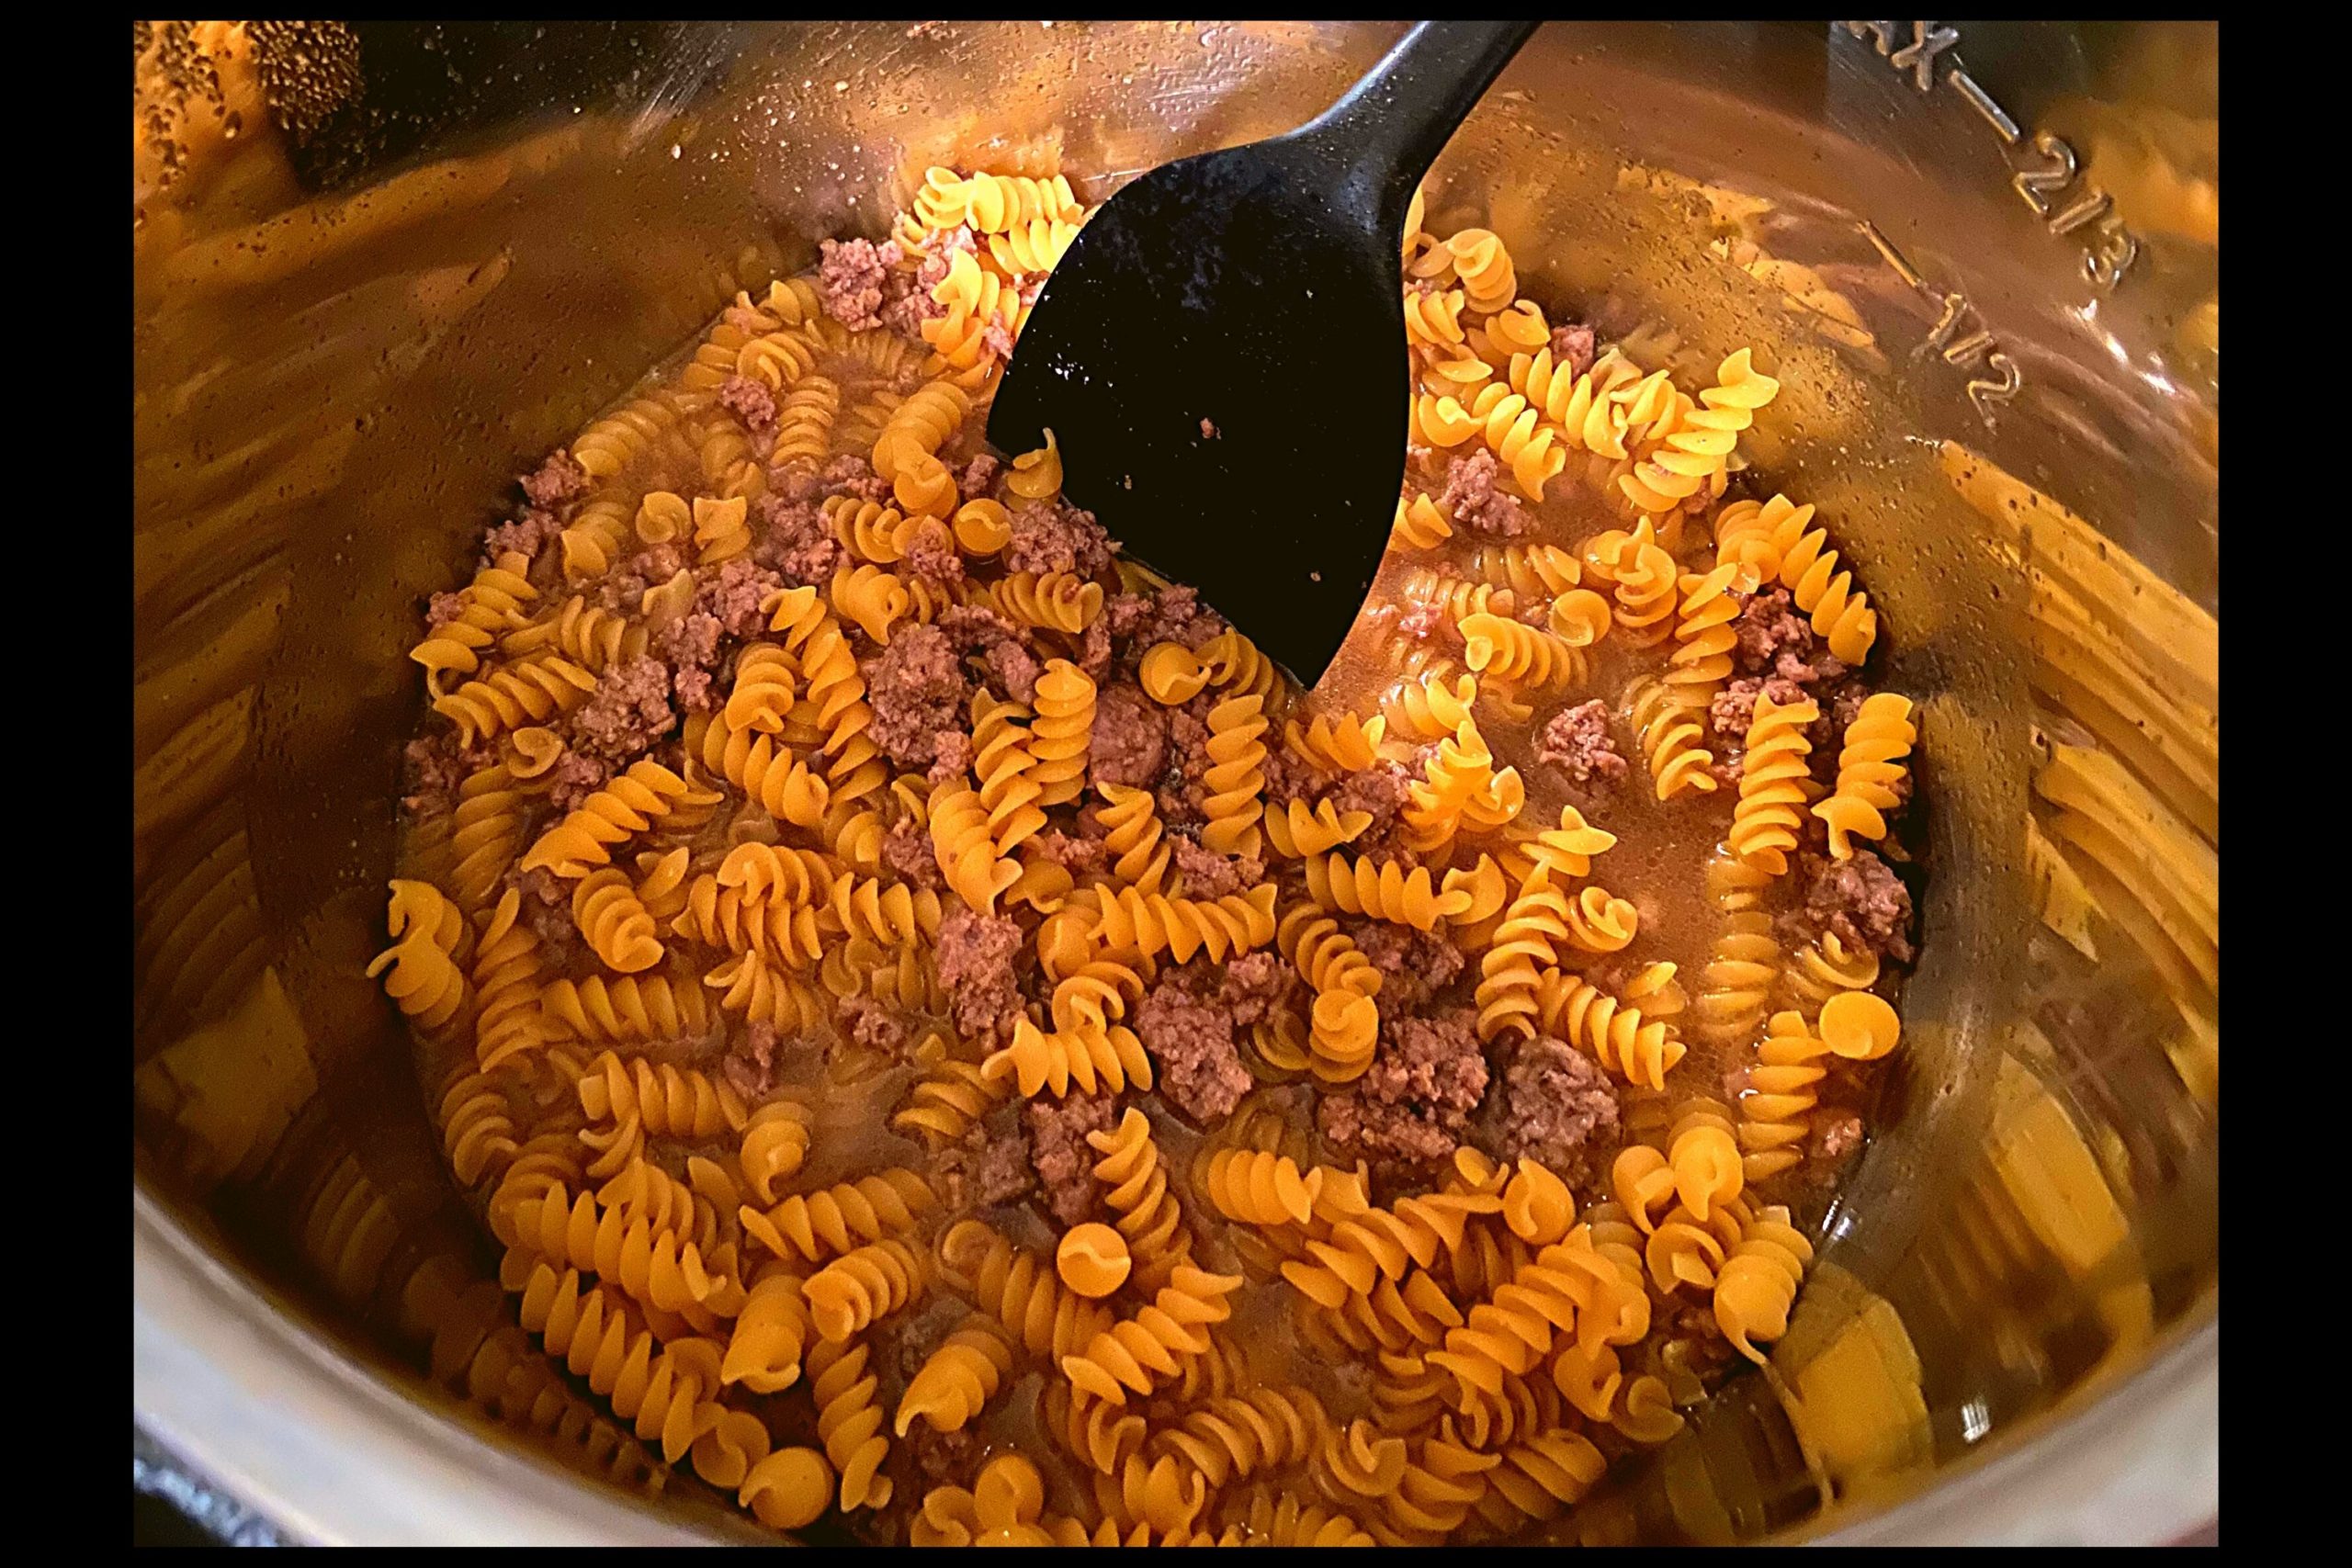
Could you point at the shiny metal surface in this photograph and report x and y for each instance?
(2014, 1329)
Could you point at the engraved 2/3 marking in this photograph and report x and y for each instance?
(2048, 166)
(1958, 337)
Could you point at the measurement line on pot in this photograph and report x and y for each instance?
(1958, 337)
(2045, 171)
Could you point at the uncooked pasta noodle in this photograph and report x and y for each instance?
(955, 1047)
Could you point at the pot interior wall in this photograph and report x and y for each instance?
(332, 393)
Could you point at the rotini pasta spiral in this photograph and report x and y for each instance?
(1456, 598)
(1382, 891)
(653, 1265)
(803, 427)
(615, 922)
(1151, 1224)
(1057, 601)
(1518, 654)
(1258, 1187)
(861, 1285)
(1234, 663)
(1365, 1244)
(490, 607)
(1639, 1050)
(849, 1422)
(1038, 476)
(983, 527)
(1034, 246)
(1774, 783)
(873, 533)
(756, 987)
(1109, 1057)
(1234, 1437)
(635, 1007)
(722, 527)
(966, 850)
(787, 1490)
(527, 692)
(1489, 283)
(1671, 729)
(1841, 613)
(424, 982)
(1061, 733)
(1747, 535)
(1172, 673)
(477, 1129)
(1598, 921)
(956, 1381)
(1148, 924)
(1135, 1354)
(1428, 708)
(593, 1330)
(1820, 970)
(1020, 1292)
(1131, 832)
(1422, 523)
(839, 1219)
(1538, 1477)
(1000, 204)
(769, 1335)
(667, 1101)
(1093, 1260)
(1235, 776)
(1869, 766)
(1296, 830)
(1339, 742)
(942, 1105)
(1525, 945)
(1775, 1110)
(629, 804)
(1757, 1283)
(1005, 764)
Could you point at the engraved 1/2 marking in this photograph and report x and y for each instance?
(1960, 337)
(2045, 171)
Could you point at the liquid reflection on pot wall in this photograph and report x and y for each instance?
(332, 395)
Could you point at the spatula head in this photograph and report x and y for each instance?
(1221, 357)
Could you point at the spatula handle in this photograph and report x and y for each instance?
(1392, 124)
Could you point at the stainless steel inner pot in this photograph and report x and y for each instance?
(1986, 268)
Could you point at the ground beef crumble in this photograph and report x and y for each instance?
(1861, 900)
(1208, 874)
(1063, 1158)
(917, 690)
(1130, 745)
(1471, 499)
(751, 404)
(1577, 741)
(1189, 1031)
(1137, 621)
(1413, 1104)
(530, 533)
(1053, 537)
(989, 1167)
(555, 481)
(1573, 344)
(1414, 965)
(850, 275)
(977, 969)
(1557, 1107)
(749, 1062)
(628, 712)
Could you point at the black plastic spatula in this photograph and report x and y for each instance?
(1220, 353)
